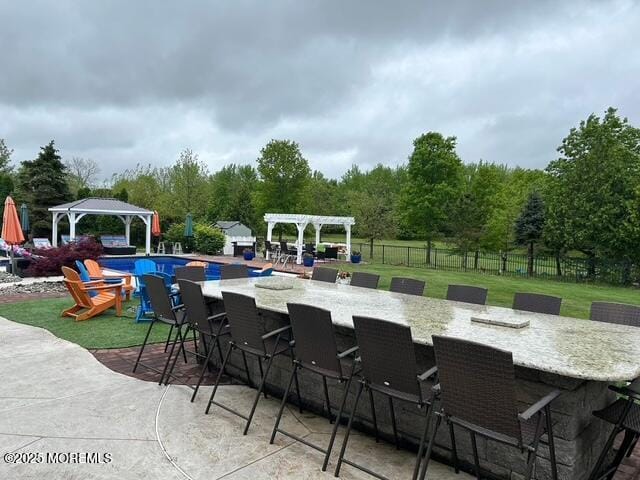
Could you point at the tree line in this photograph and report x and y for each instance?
(585, 201)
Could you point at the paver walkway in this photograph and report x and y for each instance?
(64, 415)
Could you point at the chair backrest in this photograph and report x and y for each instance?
(468, 294)
(197, 263)
(65, 239)
(331, 252)
(85, 276)
(94, 268)
(73, 282)
(619, 313)
(388, 356)
(409, 286)
(478, 384)
(538, 303)
(195, 305)
(323, 274)
(315, 343)
(141, 267)
(242, 316)
(366, 280)
(195, 273)
(159, 297)
(41, 243)
(233, 270)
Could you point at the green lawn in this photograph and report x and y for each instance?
(104, 331)
(576, 298)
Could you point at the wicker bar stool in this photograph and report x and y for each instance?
(478, 394)
(324, 274)
(408, 286)
(233, 270)
(619, 313)
(365, 280)
(164, 312)
(195, 273)
(468, 294)
(538, 303)
(249, 338)
(315, 350)
(389, 368)
(208, 327)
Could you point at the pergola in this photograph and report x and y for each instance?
(302, 221)
(101, 206)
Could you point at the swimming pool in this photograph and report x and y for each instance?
(167, 265)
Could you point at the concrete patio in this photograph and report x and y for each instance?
(56, 398)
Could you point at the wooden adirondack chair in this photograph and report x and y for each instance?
(109, 296)
(96, 273)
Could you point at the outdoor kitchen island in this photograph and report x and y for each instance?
(579, 357)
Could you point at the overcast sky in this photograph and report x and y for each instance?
(126, 82)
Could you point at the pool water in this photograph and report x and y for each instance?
(165, 265)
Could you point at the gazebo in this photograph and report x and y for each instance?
(302, 221)
(100, 206)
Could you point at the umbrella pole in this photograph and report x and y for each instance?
(13, 262)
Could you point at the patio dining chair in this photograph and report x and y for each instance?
(477, 386)
(194, 273)
(389, 368)
(323, 274)
(619, 313)
(248, 337)
(209, 328)
(164, 311)
(233, 270)
(364, 280)
(537, 303)
(408, 286)
(315, 350)
(467, 294)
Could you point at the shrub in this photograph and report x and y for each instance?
(175, 233)
(48, 261)
(209, 240)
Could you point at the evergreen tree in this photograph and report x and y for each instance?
(41, 184)
(530, 225)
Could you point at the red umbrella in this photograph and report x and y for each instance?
(155, 224)
(11, 230)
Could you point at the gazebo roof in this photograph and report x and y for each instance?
(101, 206)
(308, 219)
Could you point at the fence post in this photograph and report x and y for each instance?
(435, 257)
(408, 261)
(383, 253)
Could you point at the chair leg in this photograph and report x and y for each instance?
(260, 389)
(348, 432)
(336, 423)
(427, 422)
(393, 423)
(175, 359)
(173, 346)
(326, 398)
(144, 344)
(166, 344)
(261, 374)
(298, 391)
(282, 405)
(533, 453)
(427, 455)
(215, 386)
(195, 342)
(246, 368)
(551, 442)
(205, 366)
(604, 453)
(454, 450)
(374, 419)
(476, 460)
(620, 454)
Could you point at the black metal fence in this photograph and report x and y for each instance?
(564, 268)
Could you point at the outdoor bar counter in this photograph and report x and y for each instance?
(579, 357)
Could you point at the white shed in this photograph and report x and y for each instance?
(235, 232)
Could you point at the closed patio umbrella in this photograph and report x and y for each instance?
(11, 231)
(155, 224)
(188, 226)
(24, 217)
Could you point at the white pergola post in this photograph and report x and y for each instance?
(347, 227)
(127, 228)
(54, 229)
(72, 226)
(270, 226)
(147, 247)
(301, 227)
(318, 227)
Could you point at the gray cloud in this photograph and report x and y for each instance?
(352, 82)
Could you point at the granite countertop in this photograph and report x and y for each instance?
(564, 346)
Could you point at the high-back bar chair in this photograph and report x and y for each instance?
(408, 286)
(467, 293)
(233, 270)
(538, 303)
(324, 274)
(365, 280)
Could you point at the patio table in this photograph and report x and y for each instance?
(579, 357)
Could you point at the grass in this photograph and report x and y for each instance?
(576, 298)
(104, 331)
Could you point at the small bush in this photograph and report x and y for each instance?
(175, 233)
(209, 240)
(49, 261)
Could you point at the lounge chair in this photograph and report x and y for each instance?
(41, 243)
(117, 245)
(86, 307)
(96, 273)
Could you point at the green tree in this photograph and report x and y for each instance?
(81, 173)
(6, 180)
(5, 157)
(231, 193)
(42, 183)
(529, 226)
(188, 182)
(374, 217)
(592, 195)
(285, 176)
(434, 179)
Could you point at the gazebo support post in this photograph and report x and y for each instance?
(270, 226)
(127, 228)
(54, 229)
(318, 227)
(72, 226)
(301, 227)
(347, 227)
(147, 247)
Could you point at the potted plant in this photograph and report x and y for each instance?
(356, 257)
(248, 254)
(307, 260)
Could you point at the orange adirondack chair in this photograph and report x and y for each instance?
(87, 306)
(197, 263)
(96, 273)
